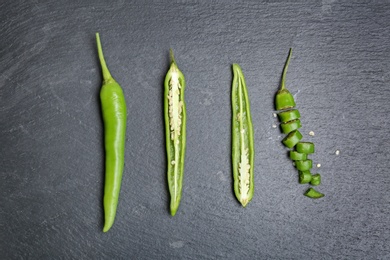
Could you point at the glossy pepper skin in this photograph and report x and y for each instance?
(175, 131)
(242, 139)
(114, 114)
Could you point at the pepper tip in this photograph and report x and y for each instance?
(244, 203)
(106, 227)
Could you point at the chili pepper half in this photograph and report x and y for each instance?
(114, 117)
(175, 131)
(242, 139)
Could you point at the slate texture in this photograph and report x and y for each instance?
(51, 135)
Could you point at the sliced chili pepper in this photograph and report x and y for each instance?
(316, 179)
(304, 177)
(314, 194)
(290, 126)
(289, 115)
(304, 165)
(295, 156)
(292, 139)
(305, 147)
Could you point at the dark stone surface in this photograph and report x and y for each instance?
(51, 161)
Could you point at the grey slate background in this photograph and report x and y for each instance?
(51, 148)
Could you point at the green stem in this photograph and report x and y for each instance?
(106, 72)
(285, 70)
(172, 56)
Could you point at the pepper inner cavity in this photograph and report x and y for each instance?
(175, 117)
(175, 105)
(243, 166)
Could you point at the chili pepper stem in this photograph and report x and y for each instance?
(106, 73)
(283, 81)
(172, 56)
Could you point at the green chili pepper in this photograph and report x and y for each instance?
(316, 179)
(292, 139)
(242, 139)
(312, 193)
(304, 177)
(305, 147)
(114, 118)
(284, 99)
(295, 156)
(289, 115)
(290, 126)
(175, 131)
(304, 165)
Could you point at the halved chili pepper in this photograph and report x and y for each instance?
(175, 131)
(242, 139)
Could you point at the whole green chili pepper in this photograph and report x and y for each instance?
(242, 139)
(175, 131)
(312, 193)
(284, 99)
(114, 118)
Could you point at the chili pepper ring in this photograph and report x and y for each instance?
(114, 117)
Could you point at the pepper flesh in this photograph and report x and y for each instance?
(314, 194)
(242, 139)
(175, 131)
(114, 118)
